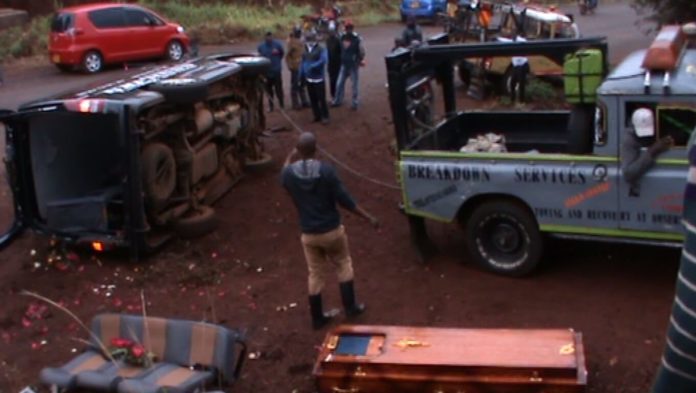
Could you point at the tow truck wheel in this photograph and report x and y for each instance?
(503, 237)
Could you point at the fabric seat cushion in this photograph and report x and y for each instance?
(107, 378)
(66, 375)
(168, 378)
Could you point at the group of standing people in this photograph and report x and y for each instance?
(308, 62)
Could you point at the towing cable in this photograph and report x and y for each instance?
(337, 161)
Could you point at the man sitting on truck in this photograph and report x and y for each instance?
(636, 159)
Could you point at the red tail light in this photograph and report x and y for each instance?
(86, 105)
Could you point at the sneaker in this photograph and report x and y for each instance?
(335, 104)
(325, 121)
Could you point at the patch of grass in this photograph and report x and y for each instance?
(25, 41)
(218, 23)
(541, 91)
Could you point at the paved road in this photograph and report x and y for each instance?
(24, 83)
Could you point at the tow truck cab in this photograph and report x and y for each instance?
(562, 172)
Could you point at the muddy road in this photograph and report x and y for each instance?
(251, 271)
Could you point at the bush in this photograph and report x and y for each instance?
(25, 41)
(541, 91)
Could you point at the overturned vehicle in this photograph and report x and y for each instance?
(133, 163)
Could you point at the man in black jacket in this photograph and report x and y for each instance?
(316, 191)
(333, 46)
(352, 56)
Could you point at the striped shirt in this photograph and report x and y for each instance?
(677, 373)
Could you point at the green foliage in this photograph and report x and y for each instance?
(218, 23)
(666, 11)
(541, 91)
(25, 41)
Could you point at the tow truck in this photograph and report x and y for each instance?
(561, 174)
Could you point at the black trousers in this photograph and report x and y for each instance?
(518, 81)
(274, 86)
(334, 70)
(298, 93)
(317, 97)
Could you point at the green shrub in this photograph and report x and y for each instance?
(539, 90)
(25, 41)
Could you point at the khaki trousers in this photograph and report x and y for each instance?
(325, 252)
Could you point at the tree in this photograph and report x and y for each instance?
(665, 12)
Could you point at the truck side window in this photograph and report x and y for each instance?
(677, 122)
(631, 107)
(600, 125)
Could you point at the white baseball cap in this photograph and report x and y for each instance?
(643, 122)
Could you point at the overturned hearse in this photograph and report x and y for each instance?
(133, 163)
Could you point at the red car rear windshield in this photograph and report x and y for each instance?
(62, 22)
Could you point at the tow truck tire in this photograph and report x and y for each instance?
(265, 161)
(503, 237)
(159, 174)
(197, 223)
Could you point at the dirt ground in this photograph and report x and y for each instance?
(251, 275)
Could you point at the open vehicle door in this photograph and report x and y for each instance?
(11, 222)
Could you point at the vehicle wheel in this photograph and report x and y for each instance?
(159, 174)
(93, 62)
(181, 90)
(580, 129)
(65, 67)
(503, 237)
(175, 50)
(464, 73)
(265, 161)
(199, 222)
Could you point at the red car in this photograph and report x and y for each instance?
(90, 36)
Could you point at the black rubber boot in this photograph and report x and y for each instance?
(348, 297)
(319, 317)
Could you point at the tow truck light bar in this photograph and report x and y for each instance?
(664, 55)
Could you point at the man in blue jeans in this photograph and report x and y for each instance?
(352, 56)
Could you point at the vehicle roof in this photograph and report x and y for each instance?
(205, 69)
(629, 76)
(96, 6)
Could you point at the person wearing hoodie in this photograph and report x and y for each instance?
(317, 192)
(312, 72)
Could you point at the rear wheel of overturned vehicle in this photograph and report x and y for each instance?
(503, 237)
(198, 222)
(92, 62)
(159, 174)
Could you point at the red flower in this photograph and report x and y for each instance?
(121, 342)
(137, 351)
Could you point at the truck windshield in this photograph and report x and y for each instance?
(77, 164)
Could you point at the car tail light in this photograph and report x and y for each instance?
(86, 105)
(98, 246)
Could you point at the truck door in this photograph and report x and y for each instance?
(653, 203)
(10, 220)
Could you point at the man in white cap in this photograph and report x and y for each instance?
(636, 156)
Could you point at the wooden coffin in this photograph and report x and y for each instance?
(377, 359)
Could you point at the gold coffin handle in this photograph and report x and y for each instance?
(349, 390)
